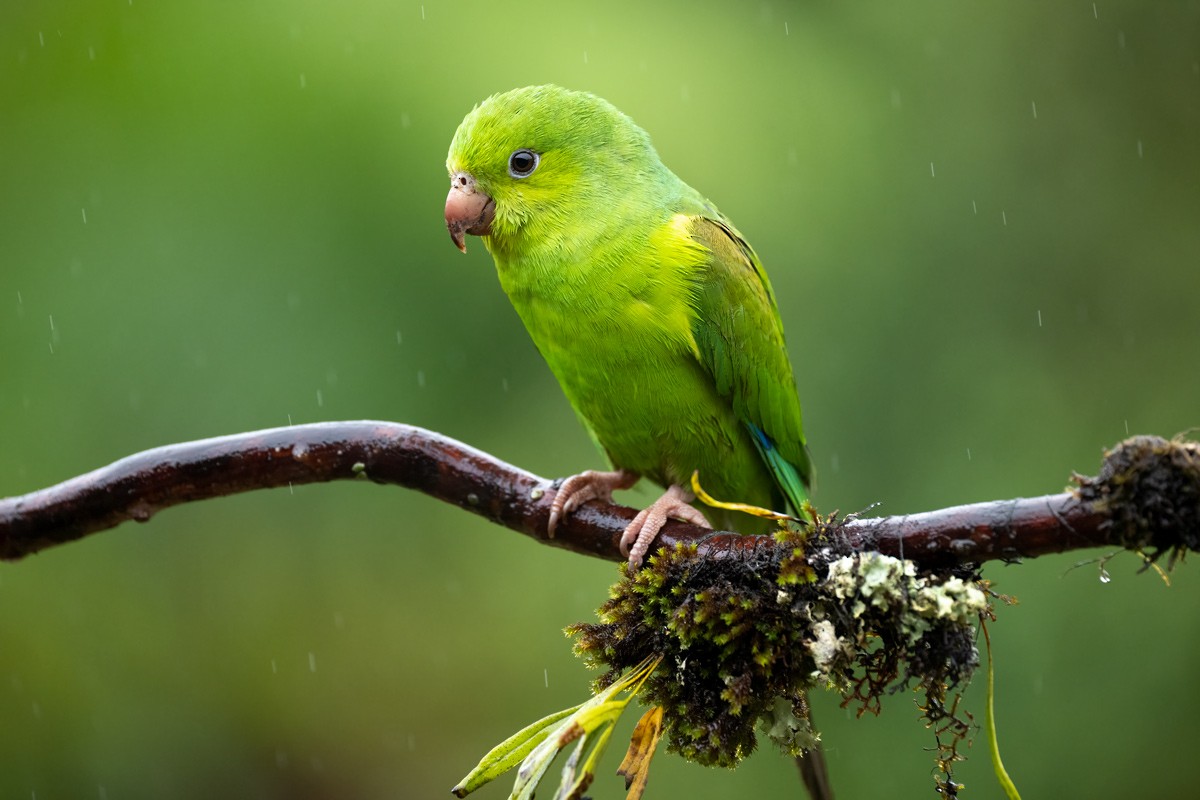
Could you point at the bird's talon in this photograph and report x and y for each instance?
(641, 532)
(589, 485)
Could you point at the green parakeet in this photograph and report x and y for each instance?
(650, 308)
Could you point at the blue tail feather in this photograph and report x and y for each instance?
(787, 476)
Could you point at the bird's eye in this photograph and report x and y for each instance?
(522, 163)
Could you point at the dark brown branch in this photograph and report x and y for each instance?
(137, 487)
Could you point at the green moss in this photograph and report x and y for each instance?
(745, 634)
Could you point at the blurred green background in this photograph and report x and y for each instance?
(983, 226)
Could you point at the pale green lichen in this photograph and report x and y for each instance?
(791, 731)
(954, 600)
(825, 647)
(870, 579)
(873, 580)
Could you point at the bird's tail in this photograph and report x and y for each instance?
(792, 482)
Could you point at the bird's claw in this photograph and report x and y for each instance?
(640, 534)
(587, 485)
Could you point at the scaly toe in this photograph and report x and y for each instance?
(640, 534)
(579, 489)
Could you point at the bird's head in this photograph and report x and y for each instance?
(538, 165)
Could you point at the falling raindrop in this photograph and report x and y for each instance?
(399, 338)
(1039, 318)
(421, 378)
(932, 174)
(974, 208)
(312, 661)
(1033, 104)
(303, 81)
(320, 399)
(968, 454)
(1004, 218)
(84, 210)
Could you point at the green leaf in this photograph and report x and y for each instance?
(1006, 783)
(509, 753)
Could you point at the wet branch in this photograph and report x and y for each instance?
(1147, 496)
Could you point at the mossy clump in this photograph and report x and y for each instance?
(746, 632)
(1150, 489)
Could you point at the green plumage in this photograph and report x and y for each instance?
(650, 308)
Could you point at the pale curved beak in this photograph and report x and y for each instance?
(468, 210)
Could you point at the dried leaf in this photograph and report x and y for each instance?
(635, 769)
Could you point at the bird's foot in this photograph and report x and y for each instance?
(587, 485)
(640, 533)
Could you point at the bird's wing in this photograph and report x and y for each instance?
(739, 340)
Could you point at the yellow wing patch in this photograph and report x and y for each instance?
(679, 258)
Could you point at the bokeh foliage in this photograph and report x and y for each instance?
(983, 225)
